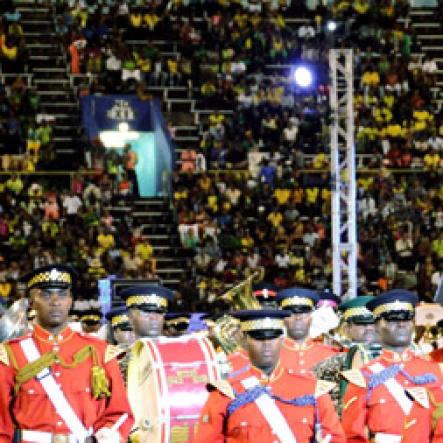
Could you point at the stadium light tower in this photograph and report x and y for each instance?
(344, 210)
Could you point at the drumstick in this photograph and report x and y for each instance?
(119, 422)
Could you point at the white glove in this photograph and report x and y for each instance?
(107, 435)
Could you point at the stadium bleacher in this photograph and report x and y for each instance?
(251, 186)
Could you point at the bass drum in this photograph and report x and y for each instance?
(167, 380)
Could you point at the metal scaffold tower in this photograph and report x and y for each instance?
(344, 210)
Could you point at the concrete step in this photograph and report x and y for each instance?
(141, 214)
(60, 105)
(151, 201)
(33, 9)
(430, 37)
(168, 260)
(65, 151)
(53, 69)
(171, 272)
(43, 33)
(63, 139)
(426, 25)
(52, 81)
(53, 93)
(181, 138)
(39, 45)
(36, 22)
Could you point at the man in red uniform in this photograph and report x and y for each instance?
(269, 402)
(387, 399)
(299, 351)
(147, 305)
(238, 360)
(58, 385)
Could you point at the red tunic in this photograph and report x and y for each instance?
(382, 412)
(437, 355)
(303, 357)
(247, 424)
(31, 409)
(238, 362)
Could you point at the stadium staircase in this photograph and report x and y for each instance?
(155, 217)
(49, 73)
(48, 67)
(429, 32)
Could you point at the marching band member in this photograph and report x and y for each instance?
(299, 351)
(122, 332)
(147, 306)
(269, 402)
(265, 293)
(58, 385)
(359, 345)
(176, 324)
(387, 399)
(90, 321)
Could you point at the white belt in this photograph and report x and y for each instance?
(271, 413)
(381, 437)
(46, 437)
(396, 390)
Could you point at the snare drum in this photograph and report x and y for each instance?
(167, 380)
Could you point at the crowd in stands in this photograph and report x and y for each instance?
(272, 215)
(254, 192)
(13, 54)
(45, 220)
(25, 131)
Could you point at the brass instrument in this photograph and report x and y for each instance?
(226, 330)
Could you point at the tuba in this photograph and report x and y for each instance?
(226, 328)
(14, 321)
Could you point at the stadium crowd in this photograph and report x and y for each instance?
(254, 192)
(46, 220)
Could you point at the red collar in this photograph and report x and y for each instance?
(293, 345)
(53, 339)
(267, 379)
(392, 356)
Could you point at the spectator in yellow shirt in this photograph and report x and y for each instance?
(145, 252)
(275, 218)
(432, 160)
(282, 195)
(204, 182)
(320, 161)
(370, 78)
(105, 239)
(312, 195)
(144, 249)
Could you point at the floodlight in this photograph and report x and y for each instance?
(123, 127)
(331, 26)
(303, 77)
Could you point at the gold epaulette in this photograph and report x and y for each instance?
(112, 351)
(323, 387)
(420, 395)
(441, 367)
(223, 386)
(355, 376)
(4, 355)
